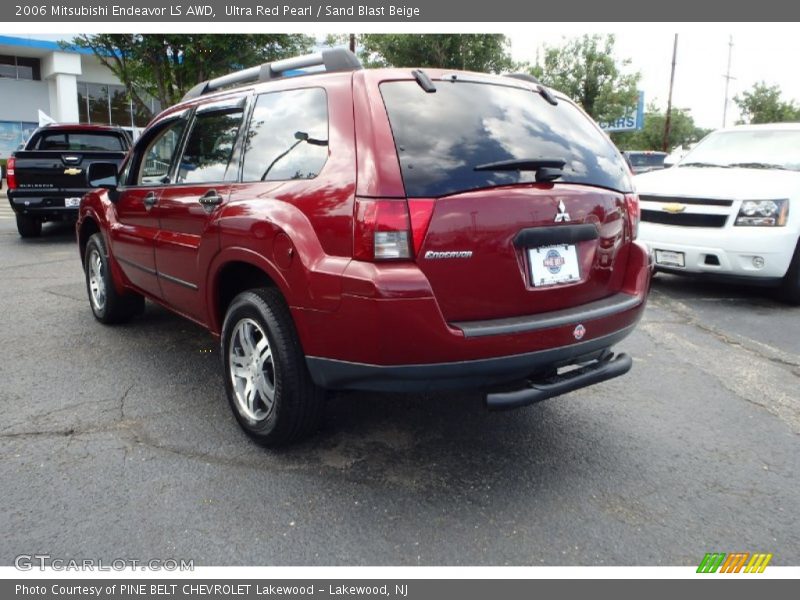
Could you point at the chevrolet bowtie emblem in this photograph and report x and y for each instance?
(72, 171)
(674, 208)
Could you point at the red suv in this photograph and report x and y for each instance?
(383, 230)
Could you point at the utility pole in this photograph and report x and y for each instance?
(727, 78)
(668, 120)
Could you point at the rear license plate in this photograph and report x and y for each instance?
(72, 202)
(554, 264)
(670, 258)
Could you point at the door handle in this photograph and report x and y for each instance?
(150, 200)
(210, 199)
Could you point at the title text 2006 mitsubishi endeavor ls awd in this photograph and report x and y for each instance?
(378, 230)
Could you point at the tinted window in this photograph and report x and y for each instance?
(61, 140)
(159, 154)
(646, 160)
(441, 137)
(209, 147)
(288, 136)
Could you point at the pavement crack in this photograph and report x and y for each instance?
(63, 296)
(44, 433)
(122, 401)
(758, 349)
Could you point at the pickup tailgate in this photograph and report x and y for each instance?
(53, 171)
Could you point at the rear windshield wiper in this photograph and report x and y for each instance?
(522, 164)
(547, 169)
(758, 165)
(703, 164)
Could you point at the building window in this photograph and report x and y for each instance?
(12, 134)
(20, 67)
(110, 105)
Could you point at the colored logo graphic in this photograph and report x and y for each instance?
(553, 261)
(734, 563)
(579, 332)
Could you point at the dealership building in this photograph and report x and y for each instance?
(68, 85)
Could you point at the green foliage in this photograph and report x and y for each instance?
(763, 104)
(471, 52)
(585, 69)
(166, 66)
(682, 131)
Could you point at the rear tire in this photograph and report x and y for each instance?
(29, 227)
(790, 288)
(108, 305)
(267, 381)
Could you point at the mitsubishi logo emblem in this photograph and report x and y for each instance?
(562, 216)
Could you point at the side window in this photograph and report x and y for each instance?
(288, 136)
(160, 152)
(209, 146)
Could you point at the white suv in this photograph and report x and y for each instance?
(730, 208)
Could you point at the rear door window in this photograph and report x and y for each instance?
(209, 146)
(288, 136)
(442, 136)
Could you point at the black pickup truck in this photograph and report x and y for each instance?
(47, 179)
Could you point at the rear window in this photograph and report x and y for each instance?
(96, 141)
(442, 136)
(646, 160)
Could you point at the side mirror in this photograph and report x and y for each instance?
(103, 175)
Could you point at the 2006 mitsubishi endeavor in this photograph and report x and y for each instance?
(389, 229)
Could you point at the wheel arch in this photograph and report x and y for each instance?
(235, 271)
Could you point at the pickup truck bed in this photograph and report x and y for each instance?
(48, 178)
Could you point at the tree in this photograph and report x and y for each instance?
(585, 69)
(682, 131)
(470, 52)
(166, 66)
(763, 104)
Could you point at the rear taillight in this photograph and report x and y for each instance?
(382, 230)
(390, 229)
(634, 215)
(11, 176)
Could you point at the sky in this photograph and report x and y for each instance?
(761, 52)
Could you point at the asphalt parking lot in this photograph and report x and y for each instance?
(118, 443)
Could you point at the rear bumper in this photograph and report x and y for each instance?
(336, 374)
(49, 207)
(393, 337)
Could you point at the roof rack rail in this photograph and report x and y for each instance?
(523, 77)
(333, 59)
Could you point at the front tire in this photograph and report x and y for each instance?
(266, 379)
(29, 227)
(108, 305)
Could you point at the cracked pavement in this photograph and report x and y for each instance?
(118, 442)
